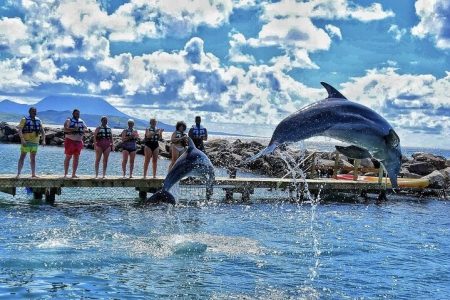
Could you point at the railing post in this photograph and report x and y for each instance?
(336, 166)
(356, 165)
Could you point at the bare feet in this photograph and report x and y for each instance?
(74, 176)
(17, 176)
(154, 177)
(131, 176)
(34, 176)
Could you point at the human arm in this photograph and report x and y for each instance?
(191, 133)
(205, 138)
(19, 129)
(95, 136)
(43, 135)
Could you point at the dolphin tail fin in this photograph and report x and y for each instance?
(269, 149)
(161, 196)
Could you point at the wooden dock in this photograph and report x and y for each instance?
(49, 186)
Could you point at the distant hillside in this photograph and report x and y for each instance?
(51, 117)
(11, 107)
(54, 110)
(86, 104)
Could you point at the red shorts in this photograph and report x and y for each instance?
(72, 147)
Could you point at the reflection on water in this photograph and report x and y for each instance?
(87, 246)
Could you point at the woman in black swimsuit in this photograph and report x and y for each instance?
(129, 137)
(152, 136)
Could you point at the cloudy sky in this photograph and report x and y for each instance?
(235, 62)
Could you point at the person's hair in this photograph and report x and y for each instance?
(32, 108)
(179, 124)
(152, 119)
(198, 117)
(76, 109)
(102, 118)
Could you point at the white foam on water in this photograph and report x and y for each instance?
(54, 243)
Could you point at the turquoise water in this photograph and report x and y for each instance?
(101, 244)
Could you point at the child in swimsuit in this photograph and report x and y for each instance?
(179, 142)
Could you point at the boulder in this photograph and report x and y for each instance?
(437, 180)
(439, 162)
(421, 168)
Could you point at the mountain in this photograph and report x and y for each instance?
(56, 108)
(11, 107)
(86, 105)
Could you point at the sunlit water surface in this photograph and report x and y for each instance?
(101, 244)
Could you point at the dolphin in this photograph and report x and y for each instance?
(191, 162)
(368, 133)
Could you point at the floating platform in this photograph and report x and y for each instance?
(51, 185)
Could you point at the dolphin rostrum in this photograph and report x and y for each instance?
(191, 162)
(369, 134)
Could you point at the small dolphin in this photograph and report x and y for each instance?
(344, 120)
(191, 162)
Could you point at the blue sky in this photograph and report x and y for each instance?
(249, 62)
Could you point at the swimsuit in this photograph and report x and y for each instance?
(152, 142)
(104, 138)
(129, 145)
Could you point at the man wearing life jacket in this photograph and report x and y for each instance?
(103, 144)
(74, 129)
(30, 131)
(198, 134)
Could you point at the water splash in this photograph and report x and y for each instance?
(302, 192)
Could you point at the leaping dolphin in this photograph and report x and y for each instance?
(369, 134)
(191, 162)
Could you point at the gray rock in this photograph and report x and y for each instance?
(437, 180)
(437, 161)
(421, 168)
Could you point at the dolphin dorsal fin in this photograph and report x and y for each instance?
(332, 92)
(191, 145)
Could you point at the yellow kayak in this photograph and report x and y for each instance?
(402, 182)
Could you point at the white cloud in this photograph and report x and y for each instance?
(82, 69)
(325, 9)
(292, 33)
(333, 31)
(379, 88)
(237, 40)
(14, 35)
(434, 21)
(396, 32)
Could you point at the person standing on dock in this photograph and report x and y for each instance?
(179, 141)
(152, 137)
(74, 129)
(30, 131)
(129, 138)
(198, 134)
(103, 144)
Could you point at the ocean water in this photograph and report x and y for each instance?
(100, 244)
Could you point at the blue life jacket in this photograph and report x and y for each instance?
(32, 125)
(80, 123)
(198, 132)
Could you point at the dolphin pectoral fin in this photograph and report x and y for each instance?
(354, 152)
(269, 149)
(392, 139)
(332, 92)
(161, 196)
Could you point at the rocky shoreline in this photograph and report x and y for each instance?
(230, 155)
